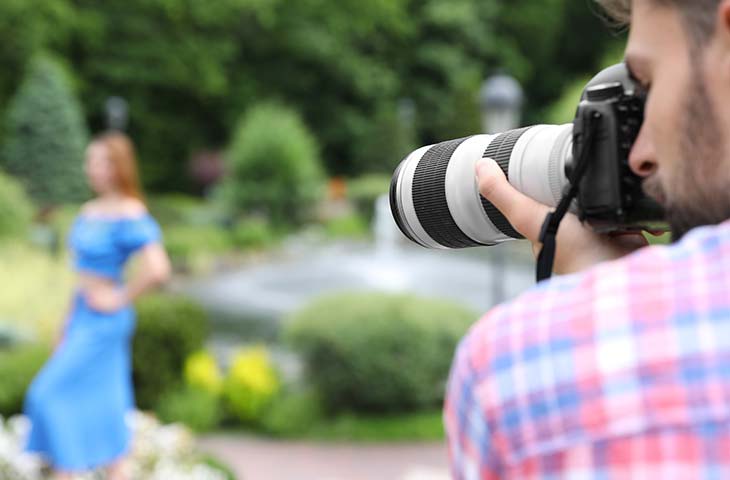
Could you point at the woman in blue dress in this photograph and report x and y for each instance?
(78, 402)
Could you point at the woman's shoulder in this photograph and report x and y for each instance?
(127, 208)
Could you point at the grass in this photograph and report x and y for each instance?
(418, 426)
(36, 290)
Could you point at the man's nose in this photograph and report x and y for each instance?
(642, 159)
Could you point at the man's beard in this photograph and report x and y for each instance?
(700, 193)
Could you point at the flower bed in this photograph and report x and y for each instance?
(159, 452)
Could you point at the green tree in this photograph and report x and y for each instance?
(46, 136)
(274, 166)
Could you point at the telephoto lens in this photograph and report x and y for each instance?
(434, 195)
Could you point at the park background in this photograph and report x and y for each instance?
(266, 133)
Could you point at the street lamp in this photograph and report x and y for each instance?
(117, 113)
(500, 102)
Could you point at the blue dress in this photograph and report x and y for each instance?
(78, 402)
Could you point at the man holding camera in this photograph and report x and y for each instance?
(620, 367)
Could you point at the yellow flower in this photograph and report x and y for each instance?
(201, 371)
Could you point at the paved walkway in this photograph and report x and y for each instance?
(261, 459)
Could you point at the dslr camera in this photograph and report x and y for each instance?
(435, 199)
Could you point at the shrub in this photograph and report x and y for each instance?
(376, 352)
(169, 330)
(198, 409)
(202, 373)
(173, 209)
(253, 233)
(18, 366)
(251, 385)
(16, 210)
(185, 242)
(365, 190)
(347, 226)
(293, 414)
(274, 166)
(46, 136)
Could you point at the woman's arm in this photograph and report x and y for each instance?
(154, 270)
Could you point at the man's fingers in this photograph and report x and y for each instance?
(525, 214)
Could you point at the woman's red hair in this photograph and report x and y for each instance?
(124, 161)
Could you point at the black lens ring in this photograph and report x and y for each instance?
(394, 208)
(500, 150)
(429, 197)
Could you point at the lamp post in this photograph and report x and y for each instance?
(117, 113)
(500, 101)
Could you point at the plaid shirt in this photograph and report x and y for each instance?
(622, 371)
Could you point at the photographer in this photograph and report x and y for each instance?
(619, 368)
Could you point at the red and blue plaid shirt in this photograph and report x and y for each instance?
(622, 371)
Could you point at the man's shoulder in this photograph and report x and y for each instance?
(641, 287)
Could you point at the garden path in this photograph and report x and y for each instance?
(254, 458)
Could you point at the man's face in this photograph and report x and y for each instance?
(680, 151)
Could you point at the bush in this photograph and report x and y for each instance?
(251, 385)
(365, 190)
(253, 233)
(185, 242)
(169, 330)
(16, 210)
(274, 166)
(175, 209)
(293, 414)
(349, 226)
(198, 409)
(46, 136)
(18, 366)
(375, 352)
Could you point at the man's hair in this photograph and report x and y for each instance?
(698, 16)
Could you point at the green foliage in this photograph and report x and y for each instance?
(365, 190)
(175, 209)
(274, 166)
(185, 241)
(374, 352)
(220, 466)
(188, 68)
(293, 414)
(563, 109)
(202, 373)
(18, 366)
(251, 385)
(46, 136)
(169, 330)
(300, 415)
(348, 226)
(16, 210)
(416, 426)
(196, 408)
(253, 233)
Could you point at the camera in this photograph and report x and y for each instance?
(435, 199)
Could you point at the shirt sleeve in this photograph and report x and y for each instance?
(472, 451)
(137, 233)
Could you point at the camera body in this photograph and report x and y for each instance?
(610, 196)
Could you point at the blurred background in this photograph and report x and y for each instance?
(299, 323)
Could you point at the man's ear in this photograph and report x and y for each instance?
(720, 42)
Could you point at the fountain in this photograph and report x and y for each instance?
(252, 302)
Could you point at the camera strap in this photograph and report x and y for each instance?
(549, 230)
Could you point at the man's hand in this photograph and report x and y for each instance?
(578, 247)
